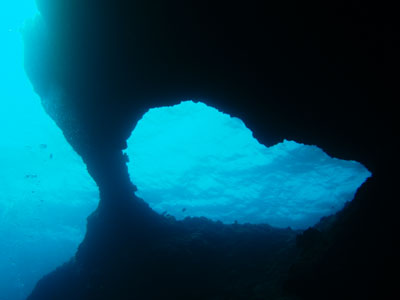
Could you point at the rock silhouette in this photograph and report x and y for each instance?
(312, 72)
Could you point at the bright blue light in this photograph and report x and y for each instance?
(188, 160)
(192, 160)
(14, 13)
(45, 190)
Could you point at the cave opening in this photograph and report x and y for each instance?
(191, 160)
(204, 163)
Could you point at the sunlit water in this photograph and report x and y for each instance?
(187, 160)
(192, 160)
(45, 191)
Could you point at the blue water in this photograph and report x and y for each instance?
(187, 160)
(192, 160)
(45, 191)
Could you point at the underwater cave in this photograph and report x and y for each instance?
(188, 160)
(221, 197)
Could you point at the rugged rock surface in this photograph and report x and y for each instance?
(310, 72)
(164, 259)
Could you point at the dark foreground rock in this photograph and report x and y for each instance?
(123, 257)
(320, 73)
(138, 254)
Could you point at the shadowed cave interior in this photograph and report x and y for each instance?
(304, 83)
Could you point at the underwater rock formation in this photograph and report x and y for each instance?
(289, 71)
(192, 259)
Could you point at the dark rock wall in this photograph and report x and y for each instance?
(283, 68)
(317, 73)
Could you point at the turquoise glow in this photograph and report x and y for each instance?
(187, 160)
(45, 191)
(192, 160)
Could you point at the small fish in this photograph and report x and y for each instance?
(43, 146)
(184, 209)
(31, 176)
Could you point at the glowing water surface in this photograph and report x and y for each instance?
(192, 160)
(45, 191)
